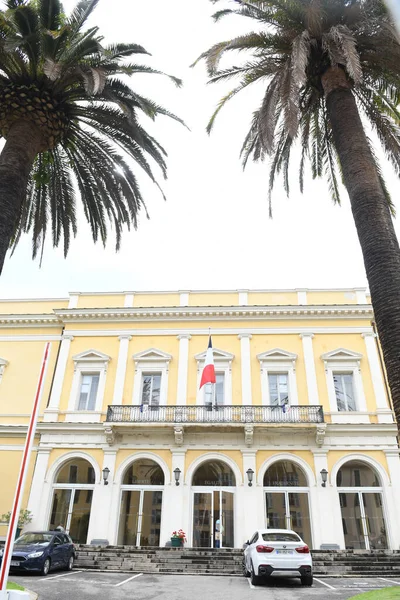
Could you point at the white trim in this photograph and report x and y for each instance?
(247, 397)
(289, 457)
(243, 297)
(31, 338)
(345, 361)
(213, 456)
(128, 301)
(362, 458)
(309, 363)
(202, 331)
(121, 368)
(361, 295)
(376, 372)
(57, 464)
(151, 361)
(223, 364)
(183, 366)
(302, 297)
(278, 361)
(90, 361)
(184, 298)
(73, 301)
(3, 364)
(137, 456)
(58, 382)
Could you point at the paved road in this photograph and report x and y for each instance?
(84, 585)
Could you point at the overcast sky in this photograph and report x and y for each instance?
(214, 230)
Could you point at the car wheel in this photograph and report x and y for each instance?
(254, 579)
(70, 563)
(246, 572)
(46, 567)
(307, 580)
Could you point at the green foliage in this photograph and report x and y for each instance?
(25, 516)
(391, 593)
(296, 42)
(14, 586)
(61, 56)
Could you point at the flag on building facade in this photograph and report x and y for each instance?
(208, 375)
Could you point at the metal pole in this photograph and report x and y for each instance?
(12, 528)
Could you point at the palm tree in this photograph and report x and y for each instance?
(328, 67)
(70, 122)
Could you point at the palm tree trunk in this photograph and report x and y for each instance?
(373, 220)
(24, 141)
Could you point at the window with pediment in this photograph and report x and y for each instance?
(278, 377)
(344, 382)
(88, 385)
(150, 387)
(220, 393)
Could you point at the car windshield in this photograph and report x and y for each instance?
(36, 539)
(280, 537)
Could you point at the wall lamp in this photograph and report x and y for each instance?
(250, 474)
(177, 474)
(324, 477)
(106, 472)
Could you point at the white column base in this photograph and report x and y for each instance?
(50, 415)
(385, 415)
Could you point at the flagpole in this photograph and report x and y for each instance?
(12, 527)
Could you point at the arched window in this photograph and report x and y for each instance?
(214, 473)
(144, 472)
(361, 504)
(287, 508)
(285, 474)
(72, 498)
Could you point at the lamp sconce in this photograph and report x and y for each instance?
(177, 474)
(324, 477)
(250, 474)
(106, 472)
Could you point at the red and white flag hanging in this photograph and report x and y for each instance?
(208, 375)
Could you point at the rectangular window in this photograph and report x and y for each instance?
(344, 390)
(278, 385)
(151, 388)
(88, 393)
(214, 394)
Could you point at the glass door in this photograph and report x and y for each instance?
(150, 518)
(289, 510)
(203, 520)
(213, 519)
(363, 520)
(227, 520)
(129, 518)
(71, 510)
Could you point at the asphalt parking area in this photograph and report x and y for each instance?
(85, 585)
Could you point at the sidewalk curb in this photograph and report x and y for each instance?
(33, 595)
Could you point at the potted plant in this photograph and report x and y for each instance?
(178, 538)
(25, 516)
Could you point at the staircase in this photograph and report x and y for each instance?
(228, 562)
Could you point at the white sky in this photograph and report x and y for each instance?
(214, 231)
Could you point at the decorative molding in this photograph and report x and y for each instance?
(223, 363)
(178, 435)
(27, 321)
(151, 360)
(111, 435)
(91, 356)
(218, 355)
(248, 435)
(278, 360)
(126, 336)
(3, 364)
(277, 355)
(320, 434)
(152, 355)
(226, 313)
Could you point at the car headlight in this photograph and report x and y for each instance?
(35, 554)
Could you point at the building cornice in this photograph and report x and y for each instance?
(28, 321)
(216, 313)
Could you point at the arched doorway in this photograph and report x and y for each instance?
(360, 495)
(213, 505)
(72, 498)
(141, 504)
(287, 507)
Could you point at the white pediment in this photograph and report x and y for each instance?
(3, 362)
(91, 356)
(276, 355)
(152, 355)
(341, 354)
(218, 355)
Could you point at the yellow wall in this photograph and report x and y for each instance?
(21, 375)
(214, 299)
(331, 297)
(272, 298)
(149, 300)
(106, 301)
(37, 307)
(12, 459)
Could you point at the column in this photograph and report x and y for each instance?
(129, 296)
(326, 518)
(37, 498)
(246, 367)
(383, 410)
(121, 369)
(51, 412)
(184, 298)
(243, 297)
(392, 495)
(309, 362)
(183, 368)
(251, 509)
(176, 504)
(361, 295)
(104, 513)
(73, 300)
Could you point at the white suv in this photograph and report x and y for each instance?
(277, 552)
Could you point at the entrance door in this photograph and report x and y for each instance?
(140, 518)
(213, 519)
(71, 510)
(363, 520)
(289, 510)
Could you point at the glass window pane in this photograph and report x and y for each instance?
(349, 388)
(60, 508)
(144, 472)
(300, 515)
(375, 521)
(75, 471)
(202, 521)
(344, 390)
(219, 388)
(214, 472)
(156, 387)
(151, 519)
(284, 473)
(146, 389)
(357, 474)
(352, 522)
(129, 517)
(93, 392)
(276, 510)
(273, 389)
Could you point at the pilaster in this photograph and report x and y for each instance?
(246, 367)
(103, 519)
(121, 368)
(385, 414)
(309, 362)
(325, 514)
(35, 502)
(183, 365)
(51, 412)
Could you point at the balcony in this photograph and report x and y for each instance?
(234, 415)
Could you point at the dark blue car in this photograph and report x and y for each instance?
(40, 551)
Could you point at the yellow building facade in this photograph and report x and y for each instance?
(298, 431)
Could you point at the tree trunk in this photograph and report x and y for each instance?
(24, 141)
(372, 218)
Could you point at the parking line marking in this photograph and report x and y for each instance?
(130, 579)
(58, 576)
(323, 583)
(390, 580)
(253, 587)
